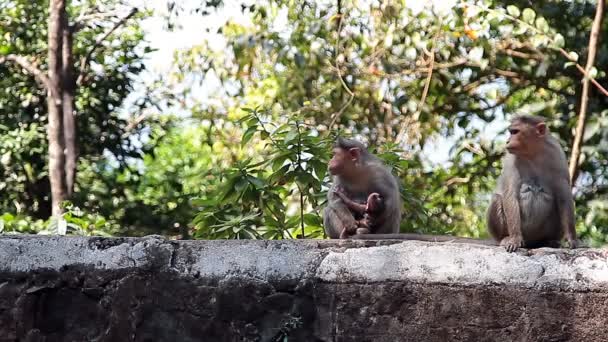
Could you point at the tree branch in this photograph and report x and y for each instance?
(84, 62)
(584, 72)
(351, 95)
(580, 125)
(131, 125)
(23, 62)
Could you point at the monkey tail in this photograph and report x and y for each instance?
(423, 237)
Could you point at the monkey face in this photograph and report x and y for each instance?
(525, 139)
(514, 143)
(374, 203)
(342, 162)
(337, 161)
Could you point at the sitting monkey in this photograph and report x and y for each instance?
(359, 173)
(532, 205)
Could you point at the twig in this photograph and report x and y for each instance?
(425, 91)
(582, 115)
(562, 51)
(85, 60)
(455, 180)
(40, 76)
(133, 124)
(337, 115)
(584, 72)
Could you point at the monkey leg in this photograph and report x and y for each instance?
(336, 219)
(498, 228)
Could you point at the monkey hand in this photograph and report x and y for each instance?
(340, 194)
(512, 243)
(348, 230)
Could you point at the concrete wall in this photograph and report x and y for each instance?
(119, 289)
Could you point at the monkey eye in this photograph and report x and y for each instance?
(513, 131)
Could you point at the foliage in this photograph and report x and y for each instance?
(405, 81)
(365, 66)
(72, 222)
(251, 200)
(103, 131)
(281, 193)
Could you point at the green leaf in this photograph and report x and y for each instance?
(312, 220)
(411, 53)
(558, 40)
(529, 15)
(513, 11)
(591, 129)
(248, 135)
(241, 184)
(593, 72)
(203, 202)
(258, 183)
(542, 25)
(291, 136)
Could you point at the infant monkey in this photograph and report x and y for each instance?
(370, 211)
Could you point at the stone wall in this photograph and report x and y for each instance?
(124, 289)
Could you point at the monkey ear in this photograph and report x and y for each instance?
(354, 153)
(541, 129)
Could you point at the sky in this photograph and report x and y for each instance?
(193, 32)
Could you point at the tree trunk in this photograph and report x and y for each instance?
(582, 116)
(57, 21)
(69, 119)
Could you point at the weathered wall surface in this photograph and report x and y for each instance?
(98, 289)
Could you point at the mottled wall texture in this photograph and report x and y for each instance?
(150, 289)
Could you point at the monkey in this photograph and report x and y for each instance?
(532, 205)
(371, 211)
(359, 173)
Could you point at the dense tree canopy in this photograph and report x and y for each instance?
(247, 160)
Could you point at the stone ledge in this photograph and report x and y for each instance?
(306, 289)
(326, 260)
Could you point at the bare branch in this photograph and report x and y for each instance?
(584, 72)
(580, 125)
(84, 62)
(131, 126)
(351, 95)
(431, 54)
(23, 62)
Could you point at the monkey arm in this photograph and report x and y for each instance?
(336, 216)
(509, 184)
(350, 204)
(565, 208)
(513, 220)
